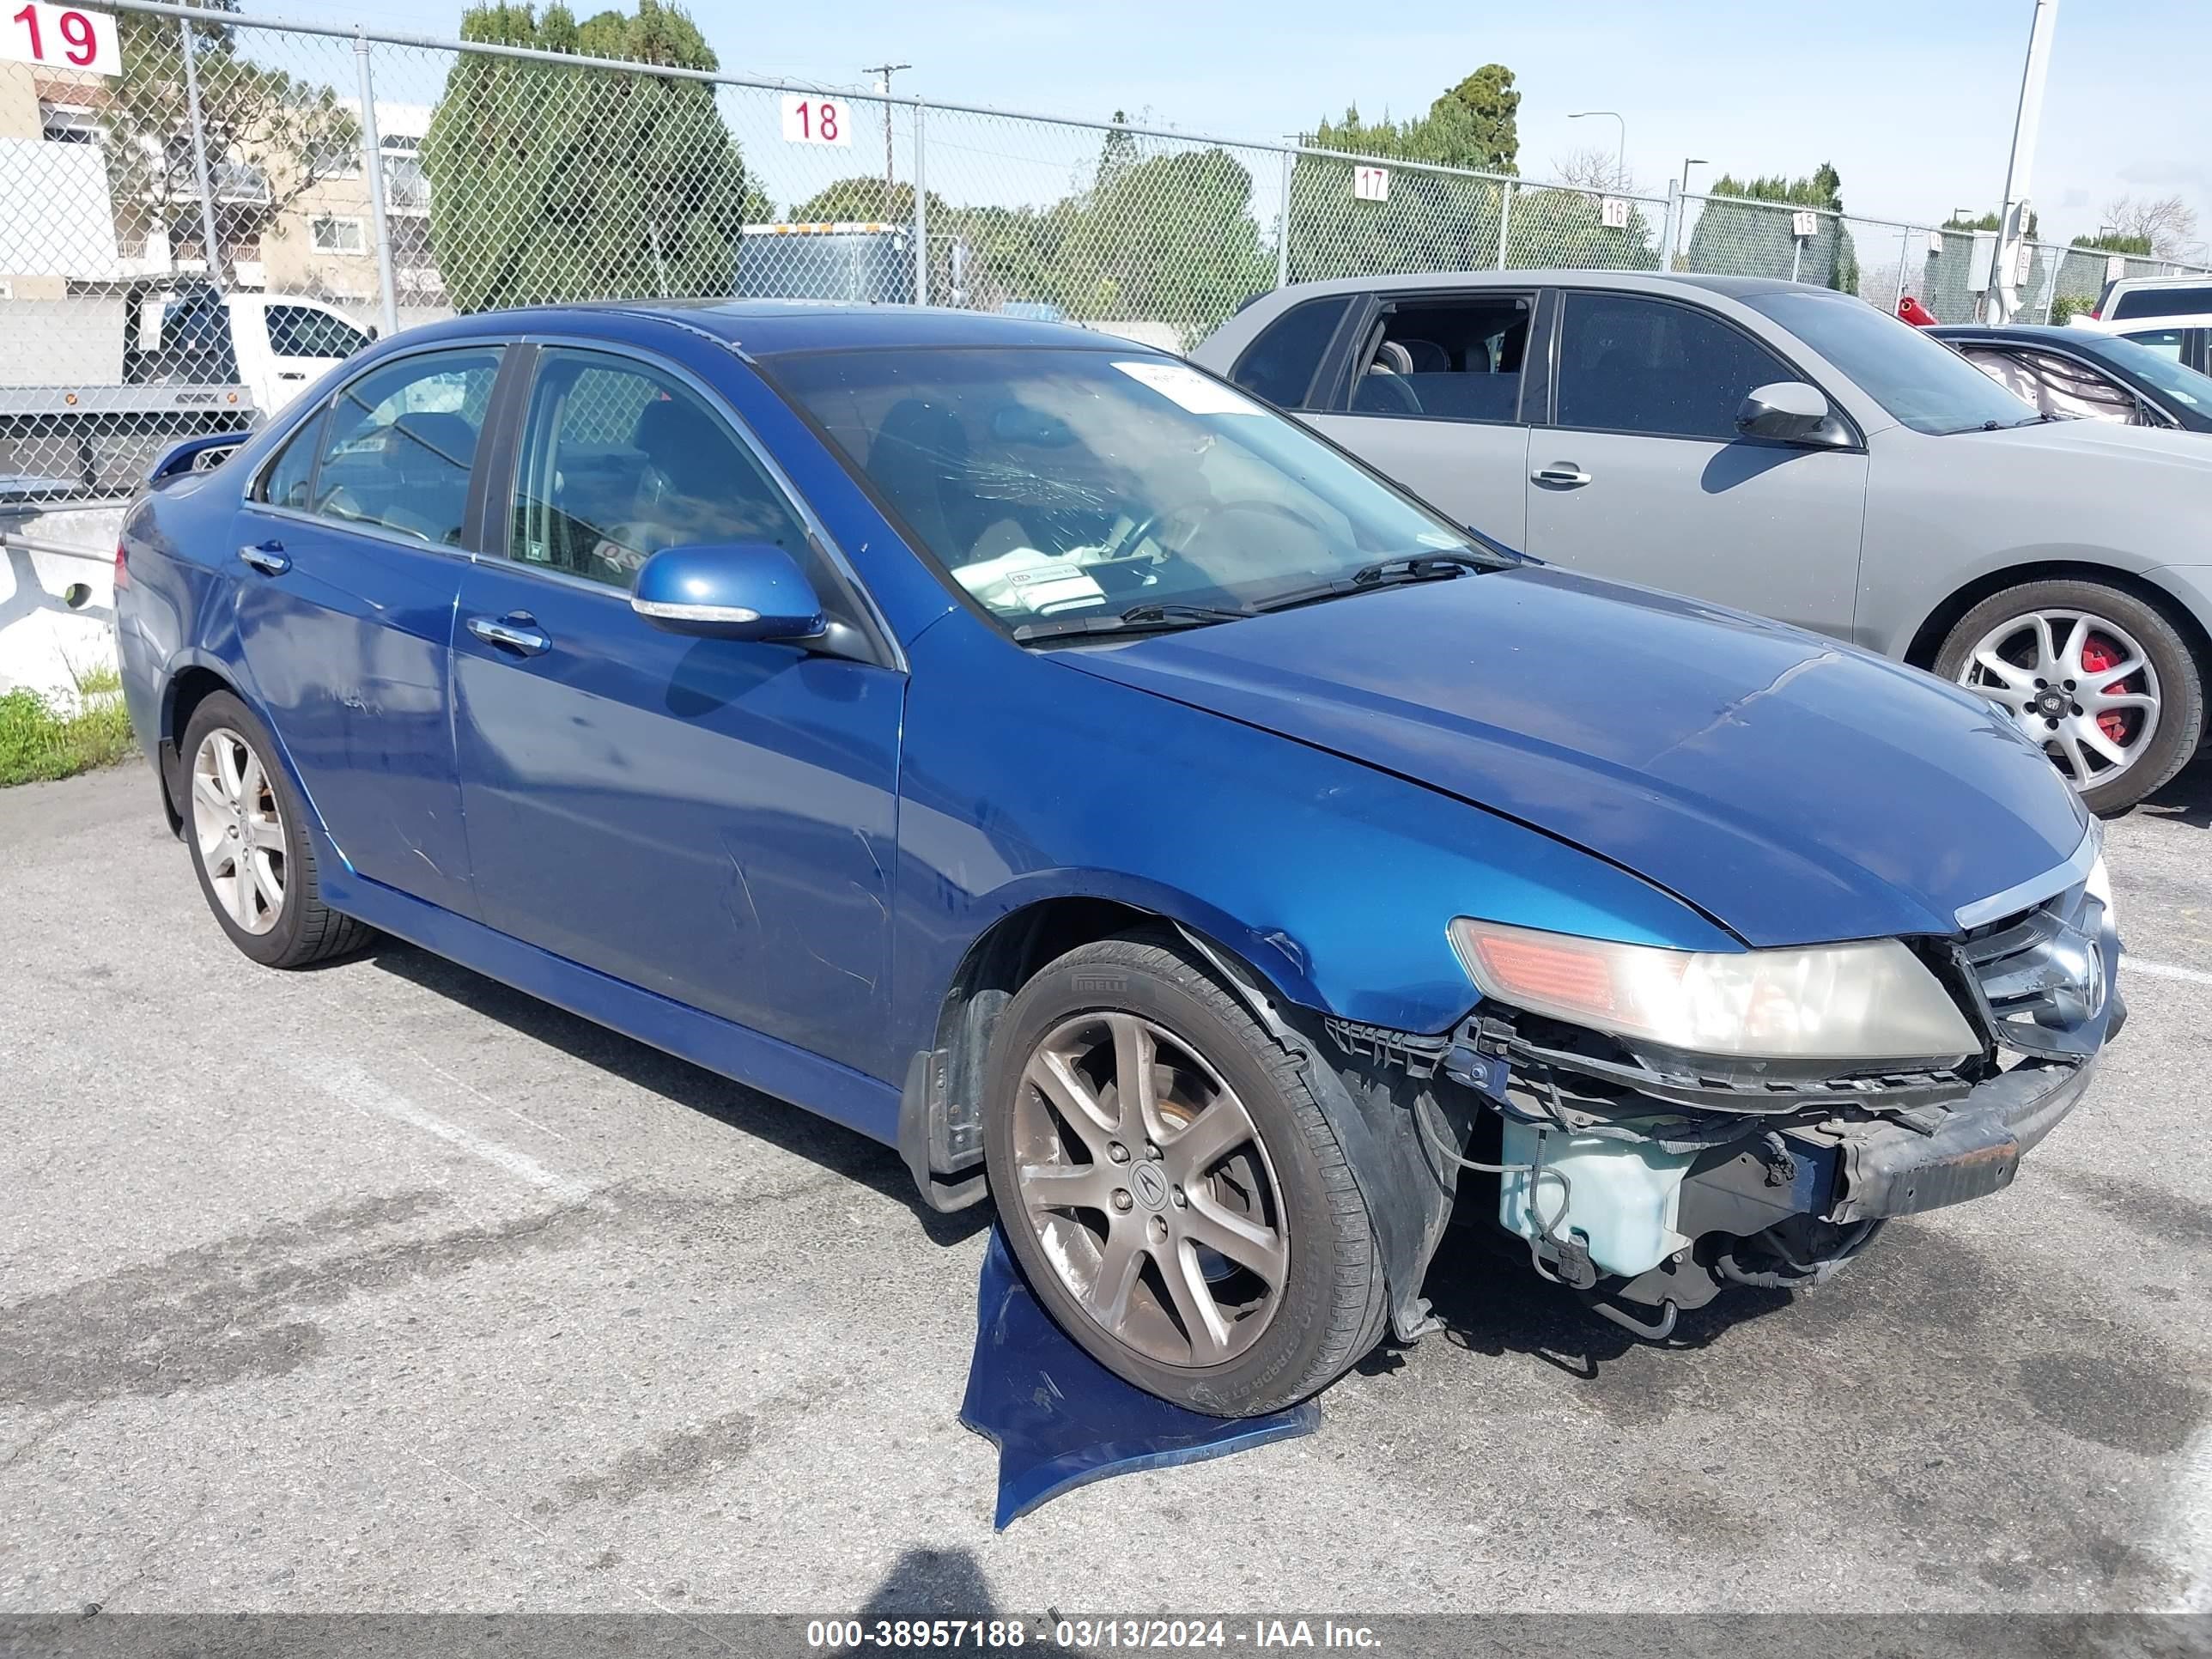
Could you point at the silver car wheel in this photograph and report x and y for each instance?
(2078, 685)
(238, 830)
(1146, 1183)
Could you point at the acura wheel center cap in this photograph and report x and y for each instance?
(1149, 1185)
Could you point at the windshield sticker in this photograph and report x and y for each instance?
(1189, 390)
(1030, 580)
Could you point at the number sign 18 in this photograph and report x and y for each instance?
(61, 37)
(816, 120)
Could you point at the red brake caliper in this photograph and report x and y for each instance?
(2098, 654)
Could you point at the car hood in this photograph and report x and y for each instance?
(1793, 788)
(2182, 453)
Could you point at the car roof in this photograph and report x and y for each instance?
(767, 327)
(2025, 332)
(2202, 279)
(1647, 280)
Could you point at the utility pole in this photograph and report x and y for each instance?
(883, 72)
(2012, 225)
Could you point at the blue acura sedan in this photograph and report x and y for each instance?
(1020, 746)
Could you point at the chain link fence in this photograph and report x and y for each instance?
(187, 242)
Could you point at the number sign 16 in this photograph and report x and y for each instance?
(816, 120)
(61, 37)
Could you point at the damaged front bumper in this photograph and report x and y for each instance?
(1656, 1179)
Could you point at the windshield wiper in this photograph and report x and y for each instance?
(1426, 566)
(1420, 567)
(1151, 615)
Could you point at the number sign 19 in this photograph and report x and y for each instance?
(1371, 184)
(61, 37)
(809, 120)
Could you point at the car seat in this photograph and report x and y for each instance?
(431, 454)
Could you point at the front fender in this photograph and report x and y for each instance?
(1025, 779)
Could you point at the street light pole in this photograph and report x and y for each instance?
(1619, 156)
(883, 72)
(2011, 224)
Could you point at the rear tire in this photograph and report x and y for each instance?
(1220, 1143)
(2049, 650)
(247, 829)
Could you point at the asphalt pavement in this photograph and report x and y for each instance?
(385, 1287)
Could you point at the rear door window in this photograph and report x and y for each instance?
(2162, 302)
(304, 331)
(2166, 342)
(1281, 365)
(1452, 359)
(399, 444)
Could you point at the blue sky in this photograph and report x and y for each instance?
(1914, 104)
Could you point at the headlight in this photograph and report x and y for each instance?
(2100, 888)
(1868, 1000)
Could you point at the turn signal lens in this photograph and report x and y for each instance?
(1867, 999)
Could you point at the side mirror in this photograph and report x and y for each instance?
(728, 592)
(1790, 412)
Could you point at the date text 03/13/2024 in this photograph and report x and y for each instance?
(1089, 1634)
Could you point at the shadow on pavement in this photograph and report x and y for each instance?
(2186, 797)
(794, 1128)
(1490, 1302)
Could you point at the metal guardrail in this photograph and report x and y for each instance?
(16, 538)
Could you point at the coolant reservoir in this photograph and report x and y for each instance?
(1620, 1196)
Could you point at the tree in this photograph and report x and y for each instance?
(1759, 241)
(1171, 239)
(1470, 125)
(2111, 242)
(1432, 221)
(860, 199)
(549, 182)
(268, 137)
(2165, 225)
(1592, 168)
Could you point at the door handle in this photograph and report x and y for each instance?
(517, 631)
(1565, 474)
(269, 557)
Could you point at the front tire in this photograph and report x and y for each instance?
(247, 830)
(2098, 679)
(1170, 1187)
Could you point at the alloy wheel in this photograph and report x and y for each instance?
(238, 830)
(2078, 685)
(1146, 1182)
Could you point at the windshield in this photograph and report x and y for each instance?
(1923, 382)
(2176, 381)
(1069, 482)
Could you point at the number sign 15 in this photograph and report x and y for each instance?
(816, 120)
(61, 37)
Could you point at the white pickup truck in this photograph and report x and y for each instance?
(93, 388)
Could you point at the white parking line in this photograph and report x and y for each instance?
(2190, 1546)
(2136, 965)
(365, 1094)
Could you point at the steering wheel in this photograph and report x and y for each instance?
(1197, 512)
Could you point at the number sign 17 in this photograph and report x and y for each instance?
(809, 120)
(61, 37)
(1371, 184)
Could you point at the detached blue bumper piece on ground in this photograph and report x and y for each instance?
(1060, 1419)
